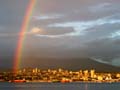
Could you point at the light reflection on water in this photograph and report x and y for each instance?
(59, 86)
(86, 86)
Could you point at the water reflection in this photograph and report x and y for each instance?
(86, 86)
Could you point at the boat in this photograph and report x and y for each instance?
(17, 81)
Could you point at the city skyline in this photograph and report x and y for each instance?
(64, 30)
(59, 75)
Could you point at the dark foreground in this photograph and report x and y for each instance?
(60, 86)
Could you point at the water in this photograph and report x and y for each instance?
(60, 86)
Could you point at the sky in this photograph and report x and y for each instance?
(61, 29)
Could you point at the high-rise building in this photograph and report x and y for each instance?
(92, 73)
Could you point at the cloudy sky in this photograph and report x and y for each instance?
(61, 29)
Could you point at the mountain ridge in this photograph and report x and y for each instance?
(72, 64)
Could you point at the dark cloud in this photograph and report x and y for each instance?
(12, 13)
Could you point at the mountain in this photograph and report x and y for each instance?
(73, 64)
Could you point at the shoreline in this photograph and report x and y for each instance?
(61, 82)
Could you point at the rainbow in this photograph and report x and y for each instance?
(23, 30)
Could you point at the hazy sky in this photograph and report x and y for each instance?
(62, 29)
